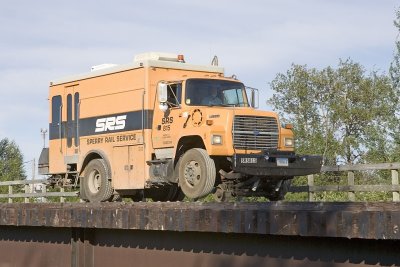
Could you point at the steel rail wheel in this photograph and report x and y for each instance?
(280, 194)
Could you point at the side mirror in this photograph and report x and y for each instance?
(162, 91)
(253, 96)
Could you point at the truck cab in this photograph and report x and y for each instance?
(217, 118)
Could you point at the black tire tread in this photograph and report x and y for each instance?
(105, 194)
(210, 165)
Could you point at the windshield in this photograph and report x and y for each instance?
(208, 92)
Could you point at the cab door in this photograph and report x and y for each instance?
(167, 125)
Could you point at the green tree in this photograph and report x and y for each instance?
(394, 72)
(11, 161)
(394, 69)
(341, 113)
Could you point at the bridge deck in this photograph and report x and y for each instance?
(347, 220)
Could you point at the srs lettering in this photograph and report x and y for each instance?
(110, 124)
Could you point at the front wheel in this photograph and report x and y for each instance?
(96, 182)
(196, 173)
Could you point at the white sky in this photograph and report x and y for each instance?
(45, 40)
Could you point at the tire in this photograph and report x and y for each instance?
(116, 198)
(283, 189)
(196, 173)
(97, 182)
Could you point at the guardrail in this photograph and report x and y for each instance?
(29, 191)
(351, 188)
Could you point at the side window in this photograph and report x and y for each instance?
(69, 120)
(56, 104)
(55, 130)
(174, 94)
(76, 118)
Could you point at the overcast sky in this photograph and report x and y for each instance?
(45, 40)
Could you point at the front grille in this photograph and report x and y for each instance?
(255, 133)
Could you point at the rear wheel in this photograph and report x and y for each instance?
(116, 198)
(196, 173)
(97, 183)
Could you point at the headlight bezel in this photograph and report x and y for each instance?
(216, 139)
(288, 142)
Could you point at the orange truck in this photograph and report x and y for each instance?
(161, 128)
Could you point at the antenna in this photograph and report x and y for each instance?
(214, 61)
(43, 132)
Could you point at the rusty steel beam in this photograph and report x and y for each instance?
(84, 247)
(347, 220)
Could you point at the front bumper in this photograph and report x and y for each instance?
(276, 164)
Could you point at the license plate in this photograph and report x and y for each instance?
(283, 162)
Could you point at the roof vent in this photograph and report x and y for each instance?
(102, 66)
(156, 56)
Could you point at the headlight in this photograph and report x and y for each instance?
(289, 142)
(216, 140)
